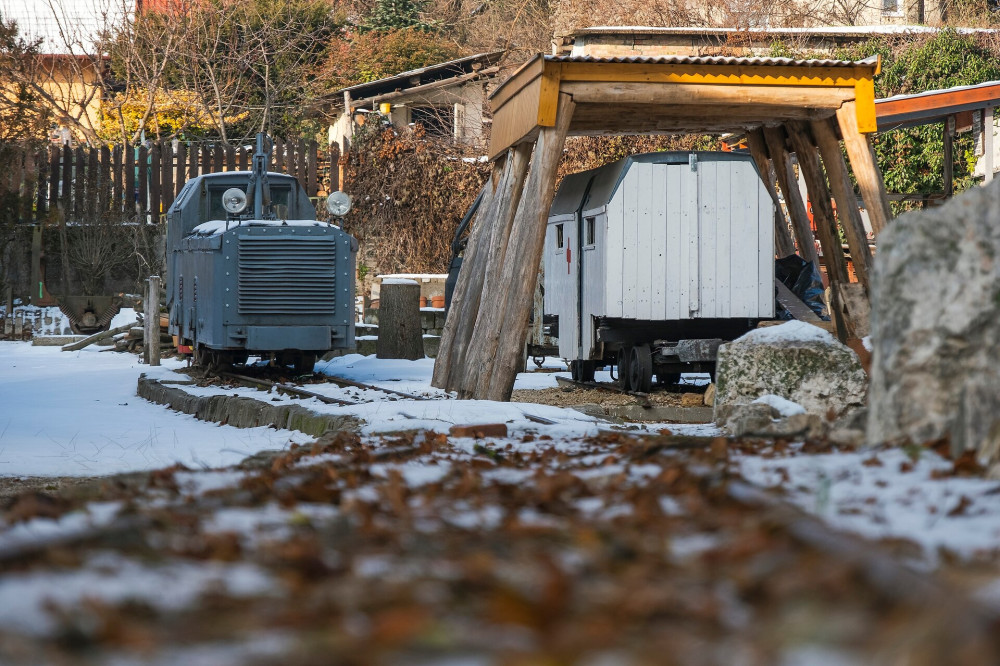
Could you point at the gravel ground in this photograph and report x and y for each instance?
(583, 396)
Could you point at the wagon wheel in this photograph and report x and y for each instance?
(624, 362)
(640, 369)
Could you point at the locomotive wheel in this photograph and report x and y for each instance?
(624, 363)
(641, 369)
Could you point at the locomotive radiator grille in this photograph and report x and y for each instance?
(288, 275)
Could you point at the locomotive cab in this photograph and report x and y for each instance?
(252, 272)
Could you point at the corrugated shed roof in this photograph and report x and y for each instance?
(716, 60)
(439, 71)
(859, 30)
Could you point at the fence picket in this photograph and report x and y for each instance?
(154, 182)
(167, 175)
(129, 194)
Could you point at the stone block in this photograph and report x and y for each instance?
(936, 327)
(795, 361)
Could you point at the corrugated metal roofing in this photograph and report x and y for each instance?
(714, 60)
(455, 66)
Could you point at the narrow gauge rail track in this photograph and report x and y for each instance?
(293, 389)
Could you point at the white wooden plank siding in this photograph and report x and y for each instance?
(675, 245)
(615, 243)
(658, 245)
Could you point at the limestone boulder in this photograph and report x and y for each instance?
(935, 371)
(794, 361)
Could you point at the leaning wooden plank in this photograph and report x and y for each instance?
(467, 311)
(487, 321)
(843, 193)
(775, 137)
(865, 166)
(97, 337)
(783, 243)
(819, 195)
(524, 253)
(795, 306)
(465, 290)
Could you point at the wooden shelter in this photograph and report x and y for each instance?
(958, 109)
(785, 106)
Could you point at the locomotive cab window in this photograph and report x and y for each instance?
(590, 224)
(559, 236)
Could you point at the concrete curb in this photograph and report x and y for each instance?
(244, 412)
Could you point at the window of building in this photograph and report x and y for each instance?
(591, 230)
(437, 121)
(559, 236)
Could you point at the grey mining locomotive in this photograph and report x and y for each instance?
(251, 272)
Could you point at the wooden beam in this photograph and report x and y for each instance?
(948, 137)
(783, 243)
(866, 169)
(486, 322)
(695, 93)
(719, 74)
(524, 253)
(775, 138)
(988, 144)
(819, 195)
(468, 290)
(847, 202)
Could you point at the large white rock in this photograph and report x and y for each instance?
(936, 327)
(795, 361)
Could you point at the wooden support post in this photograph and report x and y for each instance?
(464, 305)
(151, 320)
(819, 195)
(847, 202)
(988, 165)
(775, 137)
(783, 243)
(866, 170)
(948, 138)
(399, 332)
(486, 327)
(524, 253)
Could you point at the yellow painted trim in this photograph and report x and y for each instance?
(864, 97)
(832, 77)
(548, 95)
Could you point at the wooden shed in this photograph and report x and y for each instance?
(785, 106)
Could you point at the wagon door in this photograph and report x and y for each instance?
(562, 269)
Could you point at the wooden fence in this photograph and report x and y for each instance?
(140, 182)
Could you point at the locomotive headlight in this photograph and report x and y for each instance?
(234, 200)
(338, 203)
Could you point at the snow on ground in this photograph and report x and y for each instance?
(887, 494)
(77, 414)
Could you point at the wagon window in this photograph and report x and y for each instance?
(591, 234)
(559, 236)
